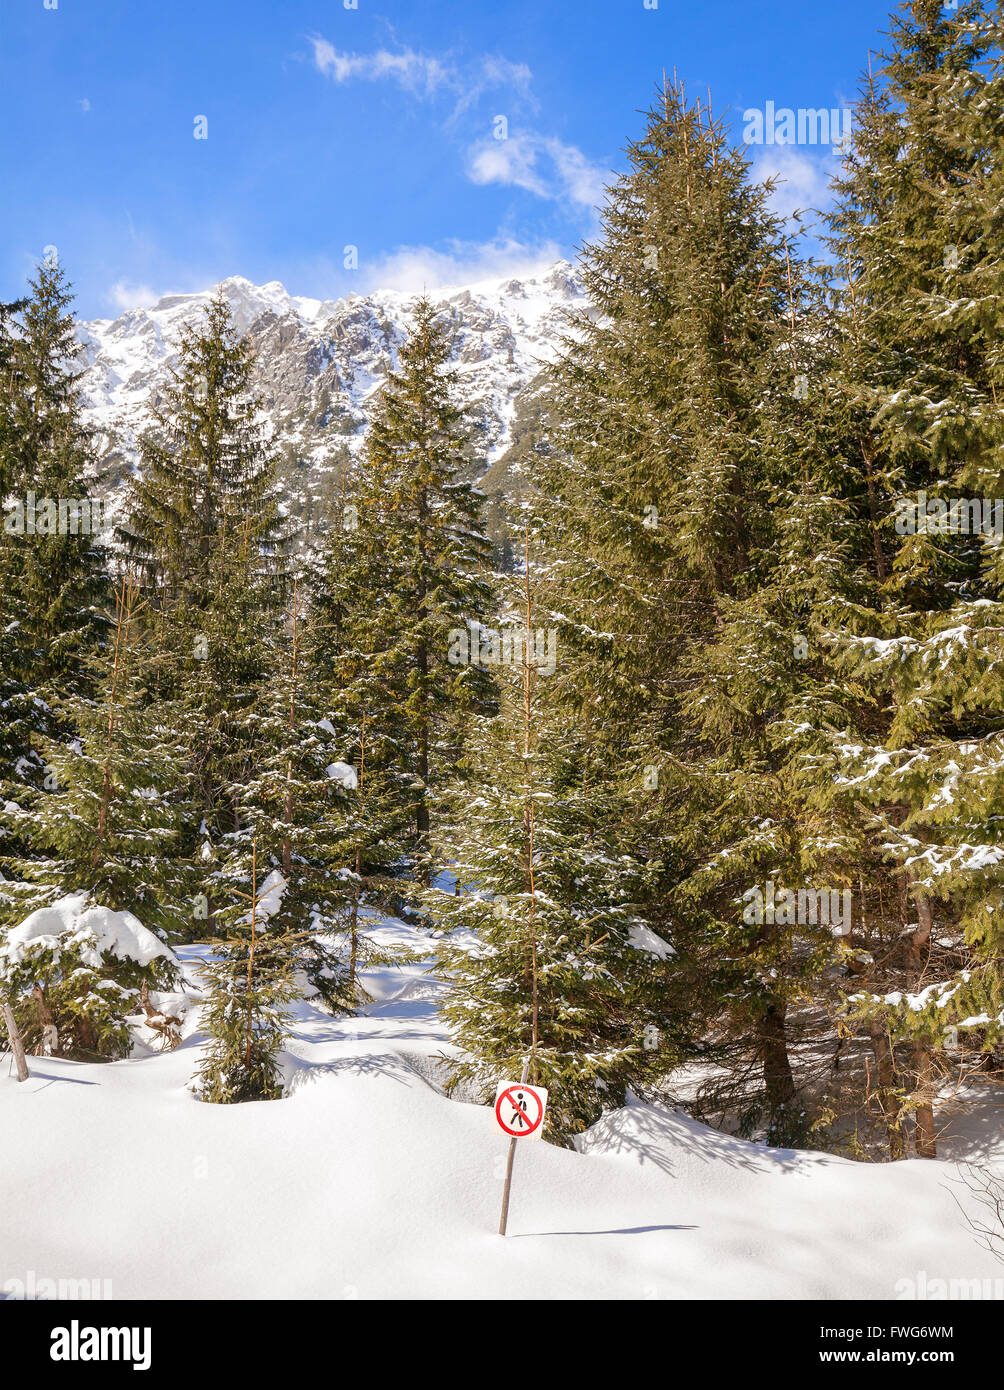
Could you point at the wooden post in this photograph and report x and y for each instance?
(504, 1219)
(16, 1046)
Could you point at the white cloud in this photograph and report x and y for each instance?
(495, 71)
(803, 182)
(511, 161)
(424, 75)
(541, 164)
(413, 268)
(125, 296)
(488, 73)
(413, 71)
(584, 182)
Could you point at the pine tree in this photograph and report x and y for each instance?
(53, 564)
(669, 404)
(250, 983)
(76, 975)
(908, 770)
(358, 702)
(111, 821)
(53, 578)
(293, 808)
(204, 526)
(549, 960)
(423, 555)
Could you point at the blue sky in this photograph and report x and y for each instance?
(371, 127)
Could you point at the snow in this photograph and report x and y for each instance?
(502, 331)
(644, 939)
(270, 895)
(343, 773)
(368, 1182)
(70, 922)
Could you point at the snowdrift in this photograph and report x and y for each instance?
(367, 1182)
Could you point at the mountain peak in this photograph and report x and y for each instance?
(321, 363)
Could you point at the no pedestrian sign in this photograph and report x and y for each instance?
(519, 1109)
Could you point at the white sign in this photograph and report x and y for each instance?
(519, 1109)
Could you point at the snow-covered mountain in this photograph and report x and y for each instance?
(321, 364)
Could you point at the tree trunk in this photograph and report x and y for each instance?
(16, 1045)
(50, 1034)
(885, 1066)
(924, 1139)
(422, 817)
(923, 1096)
(778, 1080)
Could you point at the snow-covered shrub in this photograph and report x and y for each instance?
(74, 973)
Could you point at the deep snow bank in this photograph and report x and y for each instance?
(367, 1182)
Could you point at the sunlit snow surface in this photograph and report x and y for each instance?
(368, 1182)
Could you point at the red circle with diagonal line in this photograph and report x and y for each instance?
(527, 1123)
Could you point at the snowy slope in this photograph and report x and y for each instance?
(367, 1182)
(321, 363)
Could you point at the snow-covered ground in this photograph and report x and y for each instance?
(367, 1182)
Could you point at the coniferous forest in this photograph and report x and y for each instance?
(677, 774)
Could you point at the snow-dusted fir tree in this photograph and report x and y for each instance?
(54, 566)
(421, 538)
(292, 808)
(109, 816)
(549, 960)
(53, 579)
(357, 698)
(676, 421)
(251, 982)
(75, 973)
(204, 526)
(910, 771)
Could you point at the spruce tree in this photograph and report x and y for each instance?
(424, 556)
(52, 578)
(53, 563)
(668, 405)
(292, 810)
(907, 769)
(111, 821)
(250, 984)
(357, 699)
(549, 960)
(204, 527)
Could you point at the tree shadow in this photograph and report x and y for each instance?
(657, 1136)
(388, 1064)
(48, 1077)
(614, 1231)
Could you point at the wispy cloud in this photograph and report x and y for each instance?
(414, 71)
(123, 296)
(426, 75)
(491, 73)
(460, 263)
(541, 164)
